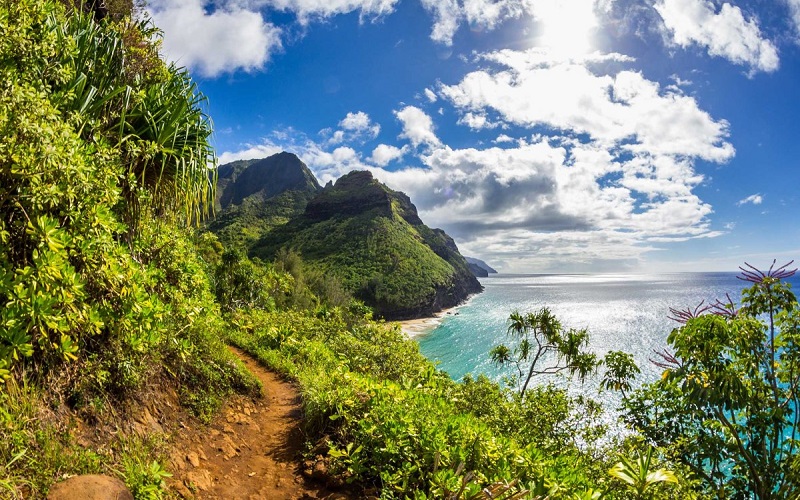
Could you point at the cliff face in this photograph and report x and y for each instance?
(373, 239)
(479, 268)
(478, 271)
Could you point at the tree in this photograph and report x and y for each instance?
(539, 339)
(621, 370)
(94, 131)
(727, 404)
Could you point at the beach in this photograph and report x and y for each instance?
(418, 327)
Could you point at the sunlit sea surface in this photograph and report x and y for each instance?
(621, 312)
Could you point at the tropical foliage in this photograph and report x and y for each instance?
(543, 347)
(727, 405)
(104, 161)
(105, 289)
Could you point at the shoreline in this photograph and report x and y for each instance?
(418, 327)
(413, 328)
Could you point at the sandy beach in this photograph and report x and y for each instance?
(417, 327)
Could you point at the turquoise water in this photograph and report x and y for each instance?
(621, 312)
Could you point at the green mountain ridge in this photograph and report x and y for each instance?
(254, 196)
(357, 229)
(372, 238)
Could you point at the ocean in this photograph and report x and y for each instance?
(621, 312)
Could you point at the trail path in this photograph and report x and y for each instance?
(251, 451)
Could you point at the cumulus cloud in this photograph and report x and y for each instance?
(417, 127)
(354, 127)
(384, 154)
(446, 19)
(622, 109)
(360, 122)
(725, 33)
(212, 43)
(307, 10)
(754, 199)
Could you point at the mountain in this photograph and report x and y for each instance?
(254, 196)
(479, 268)
(372, 238)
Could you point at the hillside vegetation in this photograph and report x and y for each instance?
(104, 160)
(255, 196)
(372, 239)
(113, 299)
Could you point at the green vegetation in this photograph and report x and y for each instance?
(255, 196)
(103, 163)
(727, 405)
(110, 297)
(391, 422)
(371, 238)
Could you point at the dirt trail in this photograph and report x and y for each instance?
(251, 451)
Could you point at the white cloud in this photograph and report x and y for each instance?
(354, 127)
(222, 41)
(250, 152)
(446, 19)
(486, 14)
(307, 10)
(490, 13)
(755, 199)
(477, 121)
(430, 95)
(360, 122)
(794, 10)
(384, 154)
(417, 126)
(725, 33)
(623, 110)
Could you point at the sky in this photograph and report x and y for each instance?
(542, 135)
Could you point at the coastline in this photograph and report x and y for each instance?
(419, 327)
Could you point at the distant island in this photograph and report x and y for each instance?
(368, 236)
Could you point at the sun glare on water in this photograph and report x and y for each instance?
(565, 27)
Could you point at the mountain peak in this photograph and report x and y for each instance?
(263, 178)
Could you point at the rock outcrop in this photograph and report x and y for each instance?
(480, 267)
(90, 487)
(263, 179)
(255, 196)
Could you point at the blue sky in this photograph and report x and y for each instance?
(543, 135)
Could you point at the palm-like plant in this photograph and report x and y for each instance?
(540, 338)
(156, 117)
